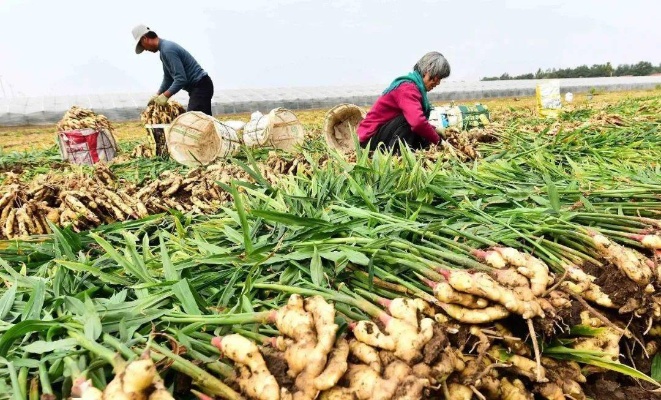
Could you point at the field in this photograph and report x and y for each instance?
(521, 260)
(41, 137)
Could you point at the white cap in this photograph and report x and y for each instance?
(138, 32)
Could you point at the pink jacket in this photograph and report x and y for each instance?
(405, 99)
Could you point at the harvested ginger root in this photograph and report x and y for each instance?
(521, 365)
(404, 309)
(366, 383)
(136, 380)
(514, 390)
(366, 354)
(444, 292)
(583, 286)
(315, 359)
(530, 267)
(475, 316)
(367, 332)
(336, 367)
(255, 379)
(317, 374)
(457, 391)
(627, 260)
(293, 321)
(482, 285)
(404, 340)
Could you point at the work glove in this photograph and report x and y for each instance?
(152, 100)
(161, 100)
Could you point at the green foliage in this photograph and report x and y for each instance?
(597, 359)
(656, 367)
(350, 231)
(643, 68)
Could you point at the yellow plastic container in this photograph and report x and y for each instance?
(549, 102)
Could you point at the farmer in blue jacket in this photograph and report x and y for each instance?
(180, 71)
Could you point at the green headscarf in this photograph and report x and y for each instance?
(416, 78)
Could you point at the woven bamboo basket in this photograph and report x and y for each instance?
(340, 126)
(279, 129)
(196, 139)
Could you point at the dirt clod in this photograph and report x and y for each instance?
(435, 346)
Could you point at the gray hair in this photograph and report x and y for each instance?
(434, 64)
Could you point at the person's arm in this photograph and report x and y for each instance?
(409, 100)
(167, 80)
(179, 78)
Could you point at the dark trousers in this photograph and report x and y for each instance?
(200, 95)
(393, 131)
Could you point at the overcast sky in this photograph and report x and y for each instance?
(76, 47)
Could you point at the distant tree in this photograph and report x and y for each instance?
(582, 71)
(642, 68)
(623, 69)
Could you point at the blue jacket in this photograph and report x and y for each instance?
(180, 70)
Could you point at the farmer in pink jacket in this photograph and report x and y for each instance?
(402, 111)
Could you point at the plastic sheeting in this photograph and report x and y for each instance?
(128, 106)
